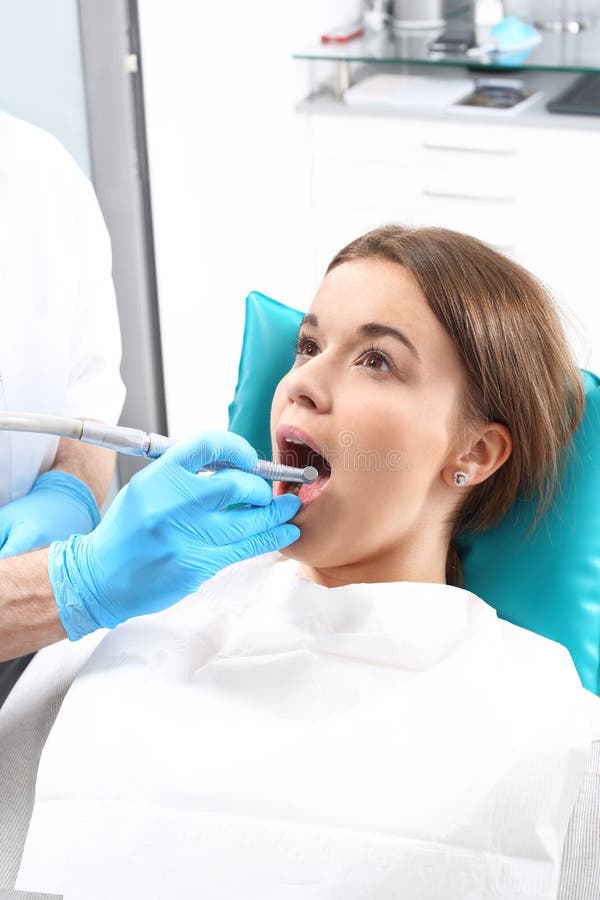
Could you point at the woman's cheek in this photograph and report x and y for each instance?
(277, 405)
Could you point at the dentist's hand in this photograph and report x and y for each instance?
(166, 532)
(57, 506)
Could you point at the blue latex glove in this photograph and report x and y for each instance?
(166, 532)
(57, 506)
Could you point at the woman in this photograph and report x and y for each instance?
(343, 720)
(493, 391)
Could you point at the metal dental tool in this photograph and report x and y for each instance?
(135, 442)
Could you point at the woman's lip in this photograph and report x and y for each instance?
(306, 489)
(306, 493)
(284, 432)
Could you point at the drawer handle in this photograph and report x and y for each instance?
(427, 145)
(455, 195)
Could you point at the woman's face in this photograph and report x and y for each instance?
(381, 408)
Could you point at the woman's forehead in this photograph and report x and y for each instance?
(373, 290)
(366, 290)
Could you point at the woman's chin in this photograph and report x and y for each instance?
(309, 519)
(298, 554)
(309, 548)
(288, 551)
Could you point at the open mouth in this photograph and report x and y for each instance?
(295, 451)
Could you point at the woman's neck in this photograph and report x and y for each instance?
(416, 564)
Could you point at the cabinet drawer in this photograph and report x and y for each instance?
(455, 145)
(496, 209)
(384, 185)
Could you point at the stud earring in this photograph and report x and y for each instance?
(460, 478)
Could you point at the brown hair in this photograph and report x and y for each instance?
(519, 368)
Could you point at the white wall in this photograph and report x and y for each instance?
(41, 77)
(551, 9)
(228, 178)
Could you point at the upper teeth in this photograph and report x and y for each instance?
(293, 441)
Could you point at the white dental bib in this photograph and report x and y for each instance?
(269, 738)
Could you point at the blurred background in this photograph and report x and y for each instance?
(226, 160)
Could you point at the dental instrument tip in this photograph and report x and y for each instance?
(309, 474)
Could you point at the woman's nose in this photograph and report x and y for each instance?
(308, 386)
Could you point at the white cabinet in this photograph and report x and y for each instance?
(531, 192)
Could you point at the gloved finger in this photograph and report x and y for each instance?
(230, 486)
(241, 524)
(209, 446)
(265, 542)
(13, 546)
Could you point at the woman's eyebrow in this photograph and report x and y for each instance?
(377, 329)
(371, 329)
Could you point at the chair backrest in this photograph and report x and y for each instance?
(548, 582)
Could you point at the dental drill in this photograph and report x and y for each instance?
(135, 442)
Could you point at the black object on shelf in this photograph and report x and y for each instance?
(582, 98)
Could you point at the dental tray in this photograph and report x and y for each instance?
(497, 95)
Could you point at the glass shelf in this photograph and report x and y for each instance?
(557, 52)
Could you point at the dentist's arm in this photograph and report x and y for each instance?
(62, 503)
(94, 466)
(29, 617)
(164, 534)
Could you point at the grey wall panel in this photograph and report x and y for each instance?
(117, 146)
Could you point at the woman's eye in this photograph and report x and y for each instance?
(375, 356)
(305, 346)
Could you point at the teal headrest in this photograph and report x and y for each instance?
(549, 582)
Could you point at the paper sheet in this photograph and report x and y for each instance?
(269, 738)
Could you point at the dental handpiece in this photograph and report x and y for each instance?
(135, 442)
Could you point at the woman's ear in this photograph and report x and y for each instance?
(490, 448)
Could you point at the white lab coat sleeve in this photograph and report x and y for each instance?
(94, 386)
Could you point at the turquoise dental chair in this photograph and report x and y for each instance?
(549, 582)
